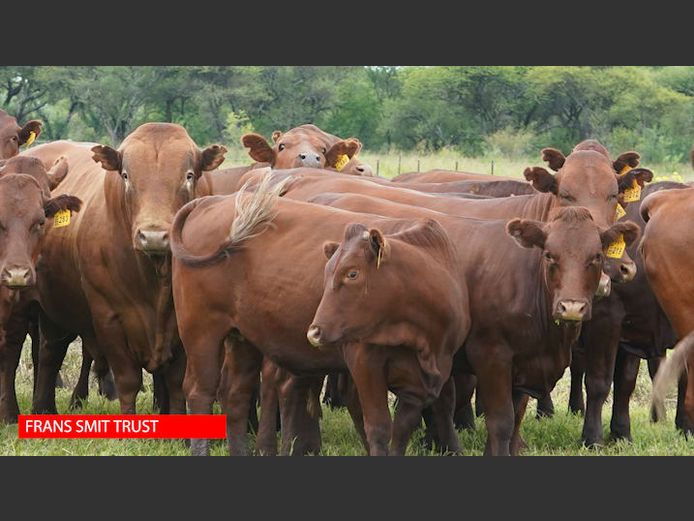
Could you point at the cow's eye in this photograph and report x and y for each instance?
(352, 275)
(190, 176)
(15, 138)
(38, 225)
(281, 146)
(567, 197)
(124, 175)
(612, 197)
(324, 150)
(597, 258)
(548, 256)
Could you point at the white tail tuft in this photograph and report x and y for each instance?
(255, 208)
(668, 374)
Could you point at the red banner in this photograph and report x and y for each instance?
(207, 426)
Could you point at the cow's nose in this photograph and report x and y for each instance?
(571, 310)
(309, 159)
(313, 336)
(604, 287)
(17, 277)
(627, 270)
(152, 242)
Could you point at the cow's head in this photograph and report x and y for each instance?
(12, 136)
(303, 146)
(157, 169)
(369, 293)
(48, 179)
(573, 255)
(25, 216)
(587, 177)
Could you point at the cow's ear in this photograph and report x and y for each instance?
(109, 158)
(347, 147)
(258, 148)
(640, 175)
(555, 159)
(276, 135)
(628, 229)
(31, 126)
(377, 245)
(62, 202)
(57, 172)
(630, 159)
(527, 233)
(212, 157)
(329, 248)
(542, 180)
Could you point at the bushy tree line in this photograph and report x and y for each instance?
(473, 110)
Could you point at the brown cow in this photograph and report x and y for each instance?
(537, 358)
(448, 176)
(12, 136)
(281, 293)
(666, 247)
(25, 208)
(107, 275)
(305, 145)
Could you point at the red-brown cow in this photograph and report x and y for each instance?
(112, 263)
(12, 136)
(26, 210)
(666, 249)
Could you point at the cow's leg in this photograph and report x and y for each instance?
(351, 397)
(15, 333)
(465, 383)
(545, 407)
(625, 373)
(160, 395)
(494, 386)
(520, 403)
(366, 366)
(299, 399)
(577, 404)
(54, 343)
(266, 439)
(408, 415)
(81, 390)
(35, 347)
(681, 421)
(653, 366)
(174, 372)
(442, 414)
(242, 365)
(602, 342)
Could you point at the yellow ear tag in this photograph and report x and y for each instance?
(620, 212)
(32, 137)
(342, 160)
(632, 194)
(61, 218)
(616, 249)
(625, 169)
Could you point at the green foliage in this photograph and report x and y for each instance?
(472, 110)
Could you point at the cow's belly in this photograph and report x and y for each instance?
(537, 373)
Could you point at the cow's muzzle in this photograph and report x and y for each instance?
(571, 310)
(152, 242)
(314, 336)
(627, 271)
(308, 159)
(17, 277)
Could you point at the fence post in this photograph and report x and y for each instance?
(377, 165)
(456, 166)
(399, 162)
(417, 165)
(492, 167)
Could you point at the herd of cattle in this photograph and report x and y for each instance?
(250, 285)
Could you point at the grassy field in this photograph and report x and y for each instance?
(555, 436)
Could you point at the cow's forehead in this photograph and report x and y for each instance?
(572, 237)
(591, 171)
(153, 154)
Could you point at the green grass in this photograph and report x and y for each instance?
(555, 436)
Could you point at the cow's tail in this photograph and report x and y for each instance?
(252, 209)
(669, 372)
